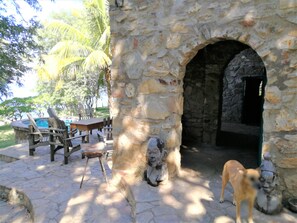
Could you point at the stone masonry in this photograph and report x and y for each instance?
(245, 64)
(153, 42)
(202, 90)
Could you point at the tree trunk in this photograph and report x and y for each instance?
(108, 85)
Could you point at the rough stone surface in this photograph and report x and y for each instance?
(246, 64)
(54, 189)
(194, 195)
(158, 40)
(14, 214)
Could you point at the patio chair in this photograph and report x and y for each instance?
(51, 112)
(59, 138)
(105, 134)
(36, 137)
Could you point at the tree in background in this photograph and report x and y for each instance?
(77, 65)
(18, 44)
(15, 108)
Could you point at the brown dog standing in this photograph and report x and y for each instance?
(245, 183)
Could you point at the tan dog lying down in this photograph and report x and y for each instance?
(245, 183)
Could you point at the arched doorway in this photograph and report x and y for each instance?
(223, 103)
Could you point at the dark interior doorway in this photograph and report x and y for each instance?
(252, 101)
(223, 101)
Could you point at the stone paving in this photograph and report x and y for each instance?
(12, 213)
(194, 196)
(53, 188)
(190, 198)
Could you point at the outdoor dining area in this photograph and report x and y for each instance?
(59, 137)
(54, 192)
(59, 168)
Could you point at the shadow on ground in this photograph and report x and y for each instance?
(194, 195)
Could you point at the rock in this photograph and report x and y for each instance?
(130, 90)
(134, 65)
(151, 86)
(287, 145)
(287, 162)
(153, 109)
(194, 8)
(291, 181)
(286, 4)
(175, 104)
(288, 43)
(173, 41)
(273, 95)
(172, 138)
(179, 27)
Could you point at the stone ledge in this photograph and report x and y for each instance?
(16, 197)
(7, 159)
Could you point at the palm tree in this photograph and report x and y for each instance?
(82, 49)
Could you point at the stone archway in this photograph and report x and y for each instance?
(218, 83)
(152, 42)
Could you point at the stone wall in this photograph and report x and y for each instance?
(202, 90)
(153, 41)
(245, 64)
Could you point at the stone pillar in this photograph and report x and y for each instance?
(153, 41)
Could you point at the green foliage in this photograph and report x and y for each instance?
(15, 108)
(6, 136)
(102, 112)
(18, 44)
(74, 69)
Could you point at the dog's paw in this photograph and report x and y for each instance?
(222, 200)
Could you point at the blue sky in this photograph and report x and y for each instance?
(29, 80)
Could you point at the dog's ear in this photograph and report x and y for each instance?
(243, 172)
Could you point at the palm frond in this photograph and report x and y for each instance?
(70, 61)
(69, 48)
(104, 38)
(50, 69)
(66, 31)
(97, 18)
(97, 59)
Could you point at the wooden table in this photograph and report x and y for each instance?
(87, 124)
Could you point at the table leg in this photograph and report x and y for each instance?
(71, 134)
(103, 169)
(82, 179)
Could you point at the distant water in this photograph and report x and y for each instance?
(43, 123)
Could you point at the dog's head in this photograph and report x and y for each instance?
(252, 178)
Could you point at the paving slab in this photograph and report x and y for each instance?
(13, 213)
(190, 199)
(53, 188)
(193, 197)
